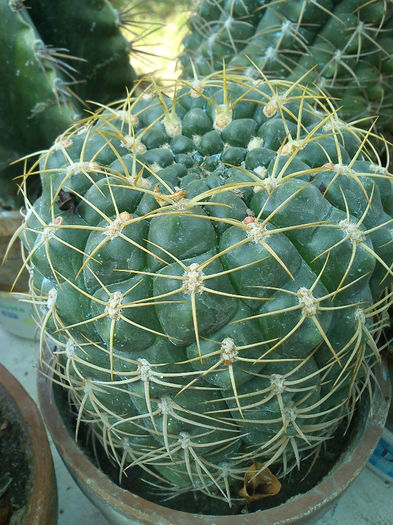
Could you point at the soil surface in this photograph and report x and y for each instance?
(15, 478)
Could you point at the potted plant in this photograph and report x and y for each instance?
(215, 286)
(28, 492)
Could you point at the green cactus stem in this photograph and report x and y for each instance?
(347, 44)
(213, 269)
(55, 56)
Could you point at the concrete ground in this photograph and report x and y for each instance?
(369, 500)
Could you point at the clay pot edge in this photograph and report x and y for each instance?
(43, 496)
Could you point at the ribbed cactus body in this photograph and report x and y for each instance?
(55, 56)
(346, 47)
(90, 31)
(212, 270)
(28, 97)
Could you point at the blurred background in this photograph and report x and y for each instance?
(155, 29)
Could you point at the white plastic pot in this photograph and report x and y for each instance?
(16, 316)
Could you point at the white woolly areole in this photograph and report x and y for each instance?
(51, 228)
(116, 226)
(193, 279)
(286, 27)
(277, 383)
(338, 55)
(291, 147)
(144, 370)
(210, 42)
(261, 171)
(255, 142)
(322, 83)
(228, 22)
(147, 96)
(308, 302)
(376, 168)
(252, 72)
(184, 440)
(257, 232)
(82, 130)
(271, 107)
(166, 405)
(343, 169)
(172, 124)
(140, 182)
(26, 214)
(228, 350)
(360, 315)
(333, 124)
(225, 470)
(271, 52)
(51, 301)
(133, 143)
(155, 167)
(62, 143)
(223, 116)
(113, 308)
(352, 230)
(268, 184)
(289, 416)
(196, 88)
(182, 204)
(70, 348)
(88, 389)
(78, 167)
(127, 117)
(360, 28)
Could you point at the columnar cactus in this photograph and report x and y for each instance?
(348, 45)
(54, 56)
(212, 269)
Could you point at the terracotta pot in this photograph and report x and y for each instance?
(42, 497)
(122, 507)
(9, 223)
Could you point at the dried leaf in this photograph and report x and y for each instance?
(259, 483)
(164, 199)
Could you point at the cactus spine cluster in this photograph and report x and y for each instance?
(55, 55)
(213, 268)
(348, 45)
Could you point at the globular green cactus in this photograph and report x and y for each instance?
(348, 45)
(212, 269)
(55, 56)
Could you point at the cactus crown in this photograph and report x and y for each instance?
(212, 268)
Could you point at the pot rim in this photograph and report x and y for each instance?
(42, 503)
(308, 504)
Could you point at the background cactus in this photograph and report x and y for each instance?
(349, 43)
(54, 57)
(213, 270)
